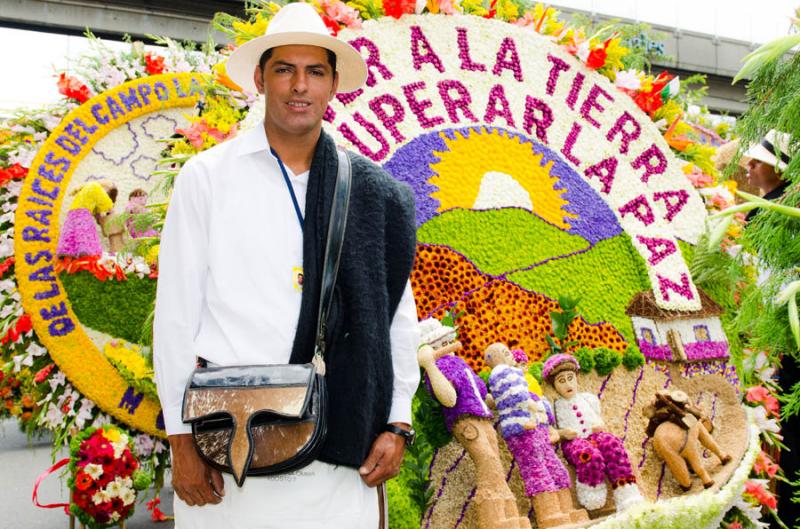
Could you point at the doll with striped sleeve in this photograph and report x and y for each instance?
(524, 423)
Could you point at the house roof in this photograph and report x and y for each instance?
(644, 305)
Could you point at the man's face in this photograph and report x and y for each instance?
(298, 83)
(566, 383)
(762, 175)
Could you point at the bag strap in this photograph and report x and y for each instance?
(333, 252)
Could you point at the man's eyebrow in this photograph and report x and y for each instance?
(286, 63)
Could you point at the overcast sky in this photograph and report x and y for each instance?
(30, 59)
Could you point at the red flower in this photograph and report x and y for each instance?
(761, 395)
(22, 326)
(15, 172)
(6, 265)
(597, 58)
(156, 514)
(765, 465)
(331, 24)
(73, 88)
(398, 8)
(760, 494)
(83, 481)
(43, 373)
(153, 64)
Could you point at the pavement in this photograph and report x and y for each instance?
(22, 461)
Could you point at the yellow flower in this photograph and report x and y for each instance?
(368, 9)
(152, 255)
(474, 7)
(112, 434)
(249, 30)
(506, 10)
(615, 51)
(182, 148)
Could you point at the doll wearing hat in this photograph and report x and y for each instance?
(525, 425)
(462, 395)
(92, 203)
(596, 454)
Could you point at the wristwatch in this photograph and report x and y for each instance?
(408, 435)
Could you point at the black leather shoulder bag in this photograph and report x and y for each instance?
(269, 419)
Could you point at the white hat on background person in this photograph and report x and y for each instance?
(297, 23)
(772, 150)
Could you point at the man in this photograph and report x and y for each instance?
(237, 232)
(765, 163)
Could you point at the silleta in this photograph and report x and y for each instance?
(546, 97)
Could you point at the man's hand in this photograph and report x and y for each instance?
(194, 481)
(385, 457)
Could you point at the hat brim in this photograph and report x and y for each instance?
(759, 152)
(349, 64)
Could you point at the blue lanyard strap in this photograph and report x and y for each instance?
(289, 185)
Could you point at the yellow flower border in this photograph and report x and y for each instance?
(36, 233)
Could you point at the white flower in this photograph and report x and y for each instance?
(53, 418)
(143, 445)
(115, 516)
(114, 488)
(94, 470)
(56, 380)
(628, 79)
(101, 496)
(51, 121)
(127, 496)
(84, 413)
(764, 424)
(583, 51)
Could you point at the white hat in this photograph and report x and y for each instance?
(435, 333)
(773, 150)
(297, 24)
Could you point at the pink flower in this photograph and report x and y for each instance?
(760, 494)
(734, 525)
(761, 395)
(341, 12)
(719, 201)
(526, 20)
(765, 465)
(448, 7)
(700, 179)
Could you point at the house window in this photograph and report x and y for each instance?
(648, 336)
(701, 333)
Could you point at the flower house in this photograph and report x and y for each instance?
(678, 336)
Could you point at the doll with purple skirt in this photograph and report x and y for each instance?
(525, 426)
(79, 236)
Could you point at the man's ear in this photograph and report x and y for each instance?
(335, 88)
(258, 79)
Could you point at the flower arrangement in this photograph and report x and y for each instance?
(608, 262)
(104, 476)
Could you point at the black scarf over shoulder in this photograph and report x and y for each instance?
(377, 257)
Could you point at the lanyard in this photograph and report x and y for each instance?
(291, 188)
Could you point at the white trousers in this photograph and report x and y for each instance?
(315, 497)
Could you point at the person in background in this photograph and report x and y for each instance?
(766, 161)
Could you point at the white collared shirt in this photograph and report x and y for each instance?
(227, 292)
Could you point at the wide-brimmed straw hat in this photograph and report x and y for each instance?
(297, 24)
(773, 150)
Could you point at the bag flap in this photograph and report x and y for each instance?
(242, 391)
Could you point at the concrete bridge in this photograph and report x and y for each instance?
(718, 58)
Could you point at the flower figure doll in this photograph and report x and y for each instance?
(461, 393)
(137, 205)
(79, 237)
(596, 454)
(525, 425)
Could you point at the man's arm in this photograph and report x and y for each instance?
(386, 454)
(183, 266)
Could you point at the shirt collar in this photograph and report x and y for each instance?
(254, 140)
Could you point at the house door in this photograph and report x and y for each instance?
(676, 344)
